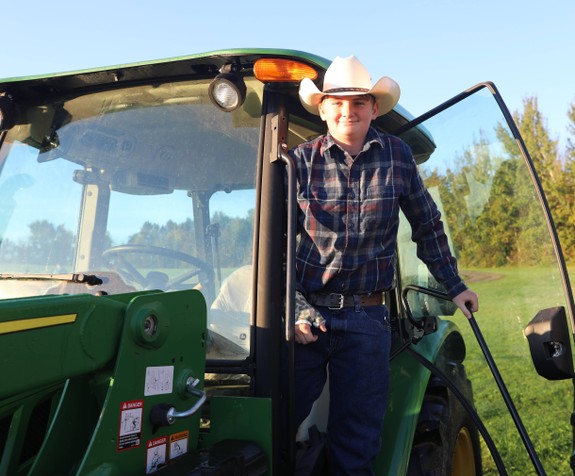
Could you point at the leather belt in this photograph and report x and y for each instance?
(339, 301)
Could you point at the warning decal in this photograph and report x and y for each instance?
(130, 431)
(159, 380)
(156, 454)
(179, 444)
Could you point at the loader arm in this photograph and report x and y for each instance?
(91, 382)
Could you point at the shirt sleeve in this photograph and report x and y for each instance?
(429, 234)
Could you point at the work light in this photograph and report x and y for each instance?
(227, 91)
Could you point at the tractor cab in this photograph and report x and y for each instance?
(146, 266)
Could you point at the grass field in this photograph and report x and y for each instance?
(509, 299)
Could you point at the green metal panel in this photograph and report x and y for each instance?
(102, 372)
(15, 415)
(44, 340)
(241, 418)
(142, 375)
(70, 432)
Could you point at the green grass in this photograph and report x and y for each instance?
(507, 304)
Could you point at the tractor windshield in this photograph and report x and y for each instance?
(148, 187)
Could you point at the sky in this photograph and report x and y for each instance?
(433, 49)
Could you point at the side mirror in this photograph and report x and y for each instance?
(549, 342)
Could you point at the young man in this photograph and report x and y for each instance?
(352, 182)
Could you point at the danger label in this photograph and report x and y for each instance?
(130, 430)
(179, 444)
(156, 454)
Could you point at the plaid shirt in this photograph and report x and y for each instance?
(348, 217)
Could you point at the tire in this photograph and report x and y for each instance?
(446, 442)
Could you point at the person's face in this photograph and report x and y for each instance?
(348, 117)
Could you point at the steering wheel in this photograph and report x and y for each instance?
(116, 257)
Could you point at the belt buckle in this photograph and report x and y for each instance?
(339, 300)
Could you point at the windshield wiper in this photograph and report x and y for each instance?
(90, 279)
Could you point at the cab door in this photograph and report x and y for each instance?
(501, 230)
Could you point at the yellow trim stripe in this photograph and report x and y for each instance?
(36, 323)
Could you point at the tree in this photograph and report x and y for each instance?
(50, 248)
(490, 204)
(234, 240)
(543, 149)
(566, 208)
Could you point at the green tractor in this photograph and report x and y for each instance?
(147, 280)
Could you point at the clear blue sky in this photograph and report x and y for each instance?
(433, 49)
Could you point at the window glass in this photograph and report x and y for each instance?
(499, 234)
(149, 187)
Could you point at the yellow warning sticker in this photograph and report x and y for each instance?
(179, 444)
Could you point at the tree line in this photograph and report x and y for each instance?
(50, 248)
(510, 229)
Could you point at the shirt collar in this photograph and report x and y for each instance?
(372, 137)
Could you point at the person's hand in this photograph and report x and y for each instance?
(306, 317)
(468, 302)
(304, 335)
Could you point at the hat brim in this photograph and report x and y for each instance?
(386, 92)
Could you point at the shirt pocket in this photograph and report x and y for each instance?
(377, 205)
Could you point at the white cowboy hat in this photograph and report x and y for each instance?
(348, 77)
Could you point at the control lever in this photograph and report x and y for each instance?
(165, 414)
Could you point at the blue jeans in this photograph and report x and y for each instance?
(356, 346)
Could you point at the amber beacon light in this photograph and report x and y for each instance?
(278, 69)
